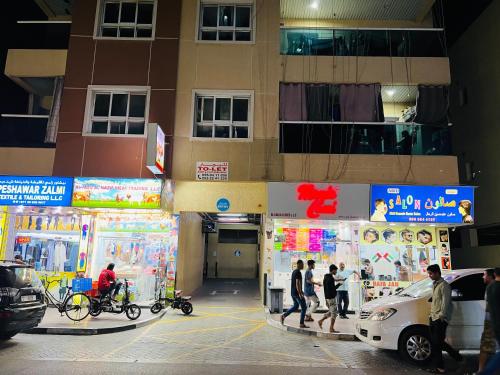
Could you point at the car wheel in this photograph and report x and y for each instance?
(415, 345)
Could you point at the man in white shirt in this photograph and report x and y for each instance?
(343, 291)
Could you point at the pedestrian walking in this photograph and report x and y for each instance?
(488, 342)
(440, 316)
(493, 302)
(331, 298)
(343, 274)
(312, 299)
(297, 295)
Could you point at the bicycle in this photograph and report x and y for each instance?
(103, 304)
(76, 306)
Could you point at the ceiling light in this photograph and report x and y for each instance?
(315, 4)
(390, 92)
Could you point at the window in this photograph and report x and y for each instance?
(469, 288)
(226, 22)
(222, 116)
(117, 112)
(126, 19)
(238, 236)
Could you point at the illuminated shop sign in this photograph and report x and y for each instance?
(35, 191)
(98, 192)
(155, 153)
(318, 201)
(422, 204)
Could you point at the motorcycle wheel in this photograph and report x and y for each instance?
(187, 308)
(156, 308)
(133, 311)
(95, 309)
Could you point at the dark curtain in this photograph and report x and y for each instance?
(432, 105)
(361, 103)
(319, 102)
(293, 103)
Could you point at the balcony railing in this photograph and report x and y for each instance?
(23, 131)
(363, 138)
(363, 42)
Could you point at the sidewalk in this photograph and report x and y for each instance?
(55, 324)
(346, 327)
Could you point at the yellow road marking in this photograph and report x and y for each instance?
(137, 338)
(199, 330)
(330, 355)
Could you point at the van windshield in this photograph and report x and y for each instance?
(422, 288)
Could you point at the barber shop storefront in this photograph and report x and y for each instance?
(387, 234)
(73, 227)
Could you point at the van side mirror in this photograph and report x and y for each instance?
(456, 294)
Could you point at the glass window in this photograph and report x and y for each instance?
(226, 22)
(118, 113)
(469, 288)
(127, 19)
(229, 118)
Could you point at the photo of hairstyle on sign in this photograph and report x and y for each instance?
(392, 257)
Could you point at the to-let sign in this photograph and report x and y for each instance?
(212, 171)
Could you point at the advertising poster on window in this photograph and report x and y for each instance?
(422, 204)
(35, 191)
(392, 257)
(312, 240)
(444, 249)
(117, 193)
(212, 171)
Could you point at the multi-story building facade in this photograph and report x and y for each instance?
(265, 104)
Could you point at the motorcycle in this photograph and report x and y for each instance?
(104, 304)
(178, 302)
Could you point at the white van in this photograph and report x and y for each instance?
(401, 322)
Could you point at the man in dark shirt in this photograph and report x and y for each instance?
(493, 301)
(331, 298)
(297, 295)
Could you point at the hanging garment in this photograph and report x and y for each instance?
(59, 256)
(361, 103)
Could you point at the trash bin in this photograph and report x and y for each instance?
(276, 300)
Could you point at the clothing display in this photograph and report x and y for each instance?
(59, 256)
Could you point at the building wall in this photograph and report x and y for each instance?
(26, 161)
(191, 252)
(259, 67)
(474, 64)
(116, 62)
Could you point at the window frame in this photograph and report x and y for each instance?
(222, 94)
(253, 21)
(467, 278)
(92, 90)
(99, 16)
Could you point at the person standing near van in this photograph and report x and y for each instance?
(312, 298)
(440, 316)
(331, 298)
(493, 301)
(343, 291)
(297, 295)
(488, 342)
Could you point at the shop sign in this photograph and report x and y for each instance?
(422, 204)
(84, 244)
(35, 191)
(155, 150)
(23, 239)
(318, 201)
(96, 192)
(223, 204)
(212, 171)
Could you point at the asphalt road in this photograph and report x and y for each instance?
(227, 334)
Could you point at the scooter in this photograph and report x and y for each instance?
(178, 302)
(100, 304)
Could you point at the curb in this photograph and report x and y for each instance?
(326, 335)
(93, 331)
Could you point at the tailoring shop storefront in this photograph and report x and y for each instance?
(67, 228)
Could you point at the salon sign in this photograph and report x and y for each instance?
(422, 204)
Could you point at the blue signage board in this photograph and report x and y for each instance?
(422, 204)
(223, 204)
(35, 191)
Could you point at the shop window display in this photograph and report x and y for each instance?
(326, 242)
